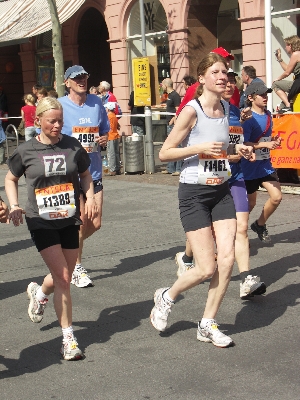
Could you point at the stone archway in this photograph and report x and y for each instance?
(93, 49)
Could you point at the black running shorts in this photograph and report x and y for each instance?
(201, 205)
(67, 237)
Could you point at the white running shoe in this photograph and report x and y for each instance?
(211, 334)
(160, 312)
(36, 308)
(69, 349)
(182, 266)
(252, 286)
(80, 278)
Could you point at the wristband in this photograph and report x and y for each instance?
(14, 205)
(90, 197)
(280, 60)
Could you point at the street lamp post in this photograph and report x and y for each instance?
(149, 149)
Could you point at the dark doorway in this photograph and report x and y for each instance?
(93, 49)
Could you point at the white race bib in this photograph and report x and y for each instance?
(213, 170)
(86, 136)
(56, 202)
(263, 154)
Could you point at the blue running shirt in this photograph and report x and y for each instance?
(92, 117)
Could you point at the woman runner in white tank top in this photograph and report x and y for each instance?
(206, 206)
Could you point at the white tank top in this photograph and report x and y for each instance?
(200, 168)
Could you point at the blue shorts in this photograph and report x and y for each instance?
(239, 194)
(97, 187)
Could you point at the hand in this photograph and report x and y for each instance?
(244, 151)
(16, 216)
(278, 54)
(211, 148)
(3, 212)
(101, 140)
(91, 208)
(246, 113)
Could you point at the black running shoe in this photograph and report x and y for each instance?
(262, 232)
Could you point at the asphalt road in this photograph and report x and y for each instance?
(125, 357)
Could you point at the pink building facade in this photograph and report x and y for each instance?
(104, 36)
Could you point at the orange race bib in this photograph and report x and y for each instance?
(56, 202)
(86, 136)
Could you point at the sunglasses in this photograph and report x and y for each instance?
(80, 77)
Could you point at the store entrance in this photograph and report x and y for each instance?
(93, 48)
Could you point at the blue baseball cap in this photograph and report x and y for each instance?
(74, 71)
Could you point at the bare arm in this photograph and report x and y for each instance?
(11, 189)
(289, 68)
(185, 122)
(91, 208)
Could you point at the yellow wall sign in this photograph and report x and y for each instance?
(141, 81)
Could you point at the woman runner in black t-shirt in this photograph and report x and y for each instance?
(52, 164)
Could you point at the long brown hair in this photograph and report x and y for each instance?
(209, 60)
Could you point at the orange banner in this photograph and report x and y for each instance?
(287, 126)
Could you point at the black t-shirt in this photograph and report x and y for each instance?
(140, 121)
(51, 173)
(173, 101)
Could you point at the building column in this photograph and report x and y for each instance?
(179, 62)
(120, 78)
(253, 35)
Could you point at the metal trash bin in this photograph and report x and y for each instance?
(133, 153)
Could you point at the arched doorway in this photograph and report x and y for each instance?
(93, 48)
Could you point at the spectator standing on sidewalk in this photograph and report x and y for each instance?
(113, 155)
(248, 75)
(258, 133)
(173, 102)
(107, 96)
(137, 123)
(28, 116)
(85, 119)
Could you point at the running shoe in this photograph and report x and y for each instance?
(161, 310)
(182, 266)
(252, 286)
(80, 278)
(262, 232)
(69, 349)
(36, 308)
(211, 334)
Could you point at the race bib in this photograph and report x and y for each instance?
(263, 154)
(86, 136)
(236, 135)
(213, 170)
(56, 202)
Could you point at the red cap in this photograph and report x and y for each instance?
(222, 52)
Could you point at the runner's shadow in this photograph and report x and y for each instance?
(285, 237)
(111, 321)
(135, 263)
(16, 246)
(275, 270)
(262, 311)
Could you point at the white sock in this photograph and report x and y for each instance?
(40, 295)
(204, 322)
(167, 297)
(67, 332)
(77, 266)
